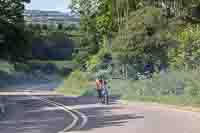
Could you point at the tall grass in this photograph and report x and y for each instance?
(174, 87)
(76, 84)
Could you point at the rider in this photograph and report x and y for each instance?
(99, 87)
(101, 84)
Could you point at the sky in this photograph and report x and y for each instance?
(54, 5)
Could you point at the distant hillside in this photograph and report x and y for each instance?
(49, 17)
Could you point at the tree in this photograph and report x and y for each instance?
(12, 28)
(16, 42)
(96, 23)
(30, 26)
(45, 27)
(71, 27)
(146, 41)
(96, 17)
(38, 27)
(60, 27)
(12, 10)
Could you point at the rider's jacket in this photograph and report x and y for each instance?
(100, 84)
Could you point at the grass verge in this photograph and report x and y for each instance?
(76, 84)
(161, 89)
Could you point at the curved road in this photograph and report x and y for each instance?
(29, 115)
(26, 114)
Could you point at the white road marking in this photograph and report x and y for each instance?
(75, 118)
(83, 116)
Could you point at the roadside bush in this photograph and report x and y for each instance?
(96, 60)
(172, 83)
(6, 67)
(20, 67)
(76, 84)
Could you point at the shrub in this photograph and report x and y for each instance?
(76, 84)
(22, 67)
(172, 83)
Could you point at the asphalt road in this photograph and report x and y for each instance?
(26, 114)
(49, 114)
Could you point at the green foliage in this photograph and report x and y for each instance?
(58, 64)
(151, 38)
(175, 87)
(174, 83)
(186, 54)
(71, 27)
(76, 84)
(143, 33)
(38, 27)
(45, 27)
(81, 58)
(21, 67)
(6, 67)
(104, 17)
(60, 27)
(96, 60)
(15, 45)
(96, 23)
(136, 44)
(12, 14)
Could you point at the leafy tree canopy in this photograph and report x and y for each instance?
(14, 36)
